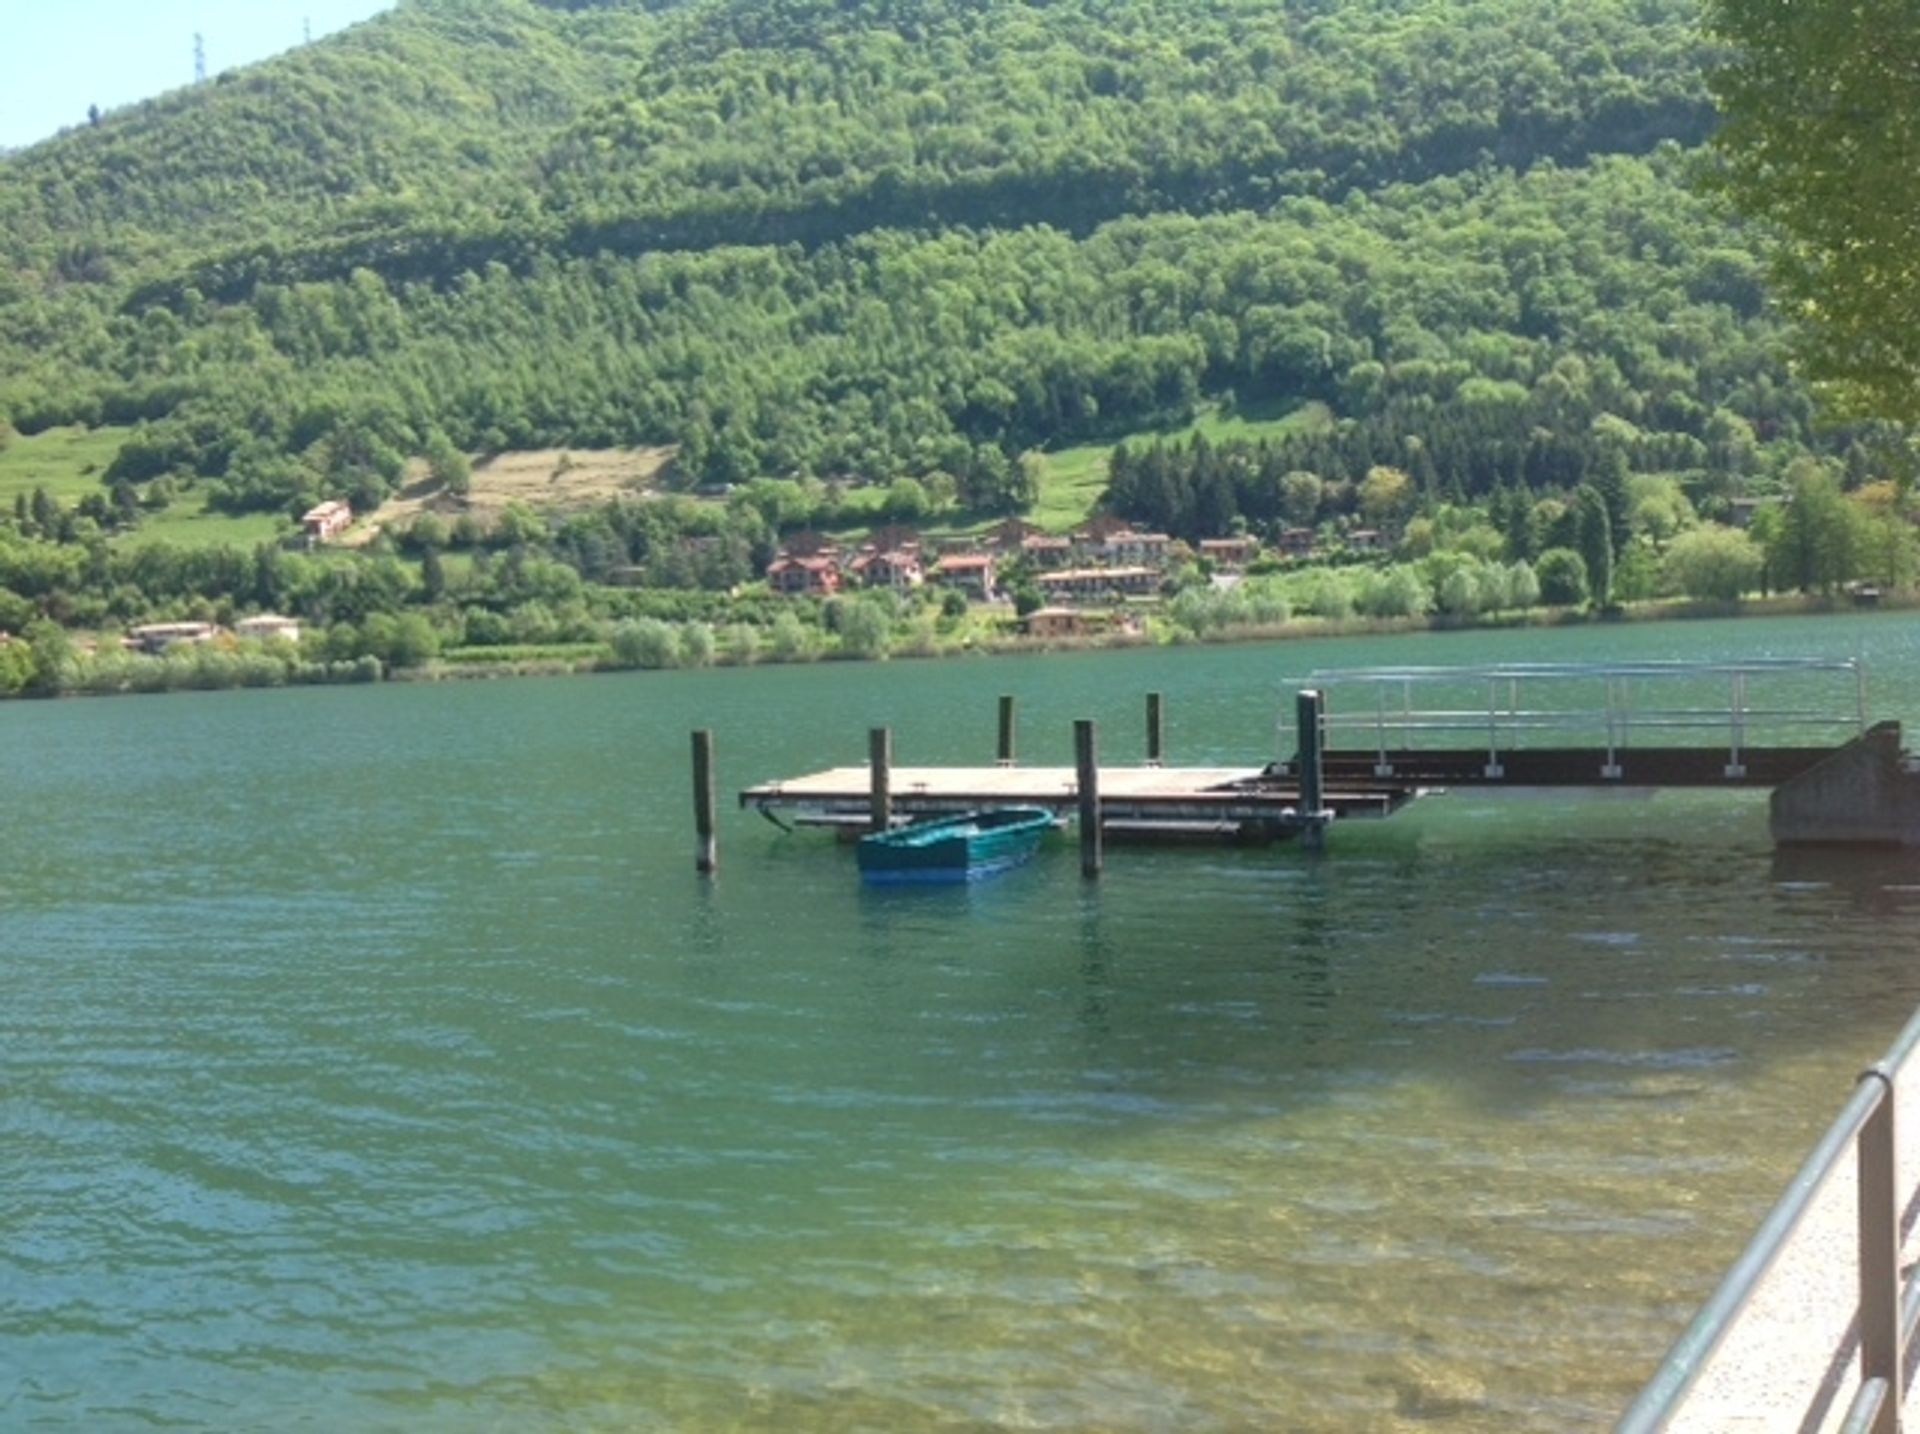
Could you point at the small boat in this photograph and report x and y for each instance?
(963, 848)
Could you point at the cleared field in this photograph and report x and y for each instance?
(539, 478)
(67, 462)
(1255, 422)
(1071, 482)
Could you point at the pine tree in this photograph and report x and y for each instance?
(1595, 536)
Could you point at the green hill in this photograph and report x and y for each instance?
(867, 240)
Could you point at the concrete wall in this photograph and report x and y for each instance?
(1861, 794)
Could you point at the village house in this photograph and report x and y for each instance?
(803, 577)
(1045, 552)
(1080, 584)
(326, 521)
(894, 568)
(1295, 543)
(157, 637)
(1077, 622)
(1229, 554)
(1126, 547)
(267, 626)
(972, 573)
(1366, 540)
(1050, 622)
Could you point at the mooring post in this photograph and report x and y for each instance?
(1156, 729)
(880, 778)
(1309, 708)
(1006, 729)
(1086, 761)
(706, 851)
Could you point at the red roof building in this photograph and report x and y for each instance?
(326, 521)
(890, 569)
(972, 573)
(803, 577)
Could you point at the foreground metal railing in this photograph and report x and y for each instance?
(1885, 1317)
(1604, 704)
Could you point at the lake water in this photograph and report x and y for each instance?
(372, 1058)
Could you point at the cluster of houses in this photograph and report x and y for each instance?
(1086, 579)
(1107, 560)
(157, 637)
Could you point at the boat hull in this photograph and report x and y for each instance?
(955, 850)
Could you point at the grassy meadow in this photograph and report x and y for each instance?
(1072, 479)
(67, 462)
(187, 522)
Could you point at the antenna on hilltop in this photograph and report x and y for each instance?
(199, 58)
(306, 28)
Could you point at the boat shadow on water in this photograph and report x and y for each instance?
(1874, 880)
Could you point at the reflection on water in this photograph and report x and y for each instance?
(443, 1095)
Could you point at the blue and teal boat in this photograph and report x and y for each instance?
(962, 848)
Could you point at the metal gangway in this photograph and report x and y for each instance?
(1605, 708)
(1812, 1328)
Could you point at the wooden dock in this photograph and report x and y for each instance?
(1250, 803)
(1261, 803)
(1860, 785)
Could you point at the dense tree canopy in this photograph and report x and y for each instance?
(879, 239)
(1822, 140)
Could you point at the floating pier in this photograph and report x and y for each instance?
(1367, 759)
(1248, 802)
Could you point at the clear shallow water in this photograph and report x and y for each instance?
(372, 1058)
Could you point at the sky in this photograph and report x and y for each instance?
(64, 55)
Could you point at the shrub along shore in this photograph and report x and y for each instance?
(653, 645)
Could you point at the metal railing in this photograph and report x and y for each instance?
(1610, 715)
(1885, 1316)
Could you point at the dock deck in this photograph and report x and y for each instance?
(1226, 801)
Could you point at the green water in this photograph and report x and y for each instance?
(373, 1059)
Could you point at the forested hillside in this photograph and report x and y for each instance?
(887, 238)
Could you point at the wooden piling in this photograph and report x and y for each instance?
(1156, 729)
(1006, 729)
(880, 778)
(1086, 757)
(1308, 709)
(706, 852)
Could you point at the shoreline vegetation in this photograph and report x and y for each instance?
(230, 666)
(739, 579)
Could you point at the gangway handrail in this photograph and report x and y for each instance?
(1659, 667)
(1865, 1125)
(1616, 715)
